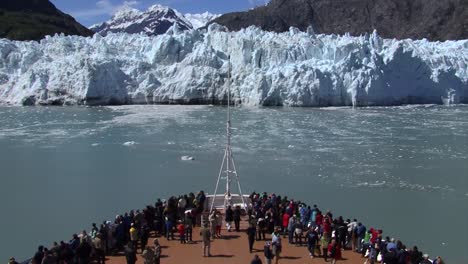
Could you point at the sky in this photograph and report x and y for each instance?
(89, 12)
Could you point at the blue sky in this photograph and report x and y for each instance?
(89, 12)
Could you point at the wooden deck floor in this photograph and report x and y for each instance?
(231, 248)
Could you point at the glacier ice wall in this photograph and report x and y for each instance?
(292, 69)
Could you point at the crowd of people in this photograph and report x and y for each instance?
(270, 218)
(323, 234)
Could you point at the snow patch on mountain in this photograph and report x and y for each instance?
(200, 20)
(291, 69)
(156, 20)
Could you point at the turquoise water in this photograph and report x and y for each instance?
(402, 169)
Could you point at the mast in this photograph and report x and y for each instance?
(228, 160)
(228, 127)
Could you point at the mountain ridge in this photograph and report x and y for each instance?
(35, 19)
(415, 19)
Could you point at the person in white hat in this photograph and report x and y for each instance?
(426, 259)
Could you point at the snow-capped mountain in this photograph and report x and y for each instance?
(292, 68)
(154, 21)
(200, 20)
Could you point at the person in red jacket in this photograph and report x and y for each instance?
(284, 226)
(334, 251)
(327, 230)
(319, 218)
(181, 229)
(374, 235)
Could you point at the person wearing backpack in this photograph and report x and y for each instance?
(334, 251)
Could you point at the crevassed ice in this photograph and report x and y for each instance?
(293, 68)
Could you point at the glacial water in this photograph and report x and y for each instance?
(402, 169)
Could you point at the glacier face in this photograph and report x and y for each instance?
(291, 69)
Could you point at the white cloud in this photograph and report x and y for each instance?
(104, 7)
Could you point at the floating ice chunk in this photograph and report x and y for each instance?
(377, 183)
(95, 144)
(129, 143)
(291, 146)
(186, 158)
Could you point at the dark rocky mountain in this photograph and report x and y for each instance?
(416, 19)
(34, 19)
(154, 21)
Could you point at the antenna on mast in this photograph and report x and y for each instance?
(228, 165)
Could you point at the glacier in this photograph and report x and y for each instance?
(268, 69)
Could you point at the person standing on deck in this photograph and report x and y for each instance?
(99, 249)
(268, 253)
(438, 260)
(324, 241)
(219, 223)
(104, 231)
(72, 245)
(360, 234)
(157, 251)
(120, 236)
(133, 236)
(313, 216)
(169, 228)
(12, 261)
(49, 258)
(144, 235)
(39, 255)
(284, 226)
(276, 244)
(425, 260)
(256, 260)
(206, 236)
(298, 233)
(352, 226)
(181, 205)
(312, 239)
(94, 231)
(237, 218)
(327, 229)
(291, 223)
(83, 252)
(148, 255)
(200, 199)
(229, 218)
(181, 229)
(416, 255)
(213, 223)
(270, 217)
(251, 236)
(130, 253)
(188, 226)
(334, 251)
(261, 228)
